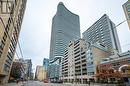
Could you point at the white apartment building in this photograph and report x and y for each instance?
(74, 62)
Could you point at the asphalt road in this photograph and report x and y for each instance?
(37, 83)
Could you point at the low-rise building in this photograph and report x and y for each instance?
(94, 54)
(81, 59)
(118, 64)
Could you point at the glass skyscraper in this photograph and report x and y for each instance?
(45, 63)
(65, 27)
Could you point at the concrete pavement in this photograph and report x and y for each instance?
(12, 84)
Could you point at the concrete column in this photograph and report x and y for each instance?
(81, 80)
(108, 80)
(4, 80)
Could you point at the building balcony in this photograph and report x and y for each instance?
(77, 60)
(77, 69)
(78, 63)
(77, 52)
(78, 48)
(84, 61)
(77, 56)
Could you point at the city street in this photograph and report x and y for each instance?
(37, 83)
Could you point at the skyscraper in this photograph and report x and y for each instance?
(103, 31)
(45, 63)
(11, 16)
(27, 64)
(28, 68)
(126, 8)
(65, 27)
(17, 69)
(40, 73)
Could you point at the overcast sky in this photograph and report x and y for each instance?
(36, 28)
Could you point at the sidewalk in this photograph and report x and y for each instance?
(12, 84)
(95, 84)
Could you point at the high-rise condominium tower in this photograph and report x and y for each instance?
(126, 7)
(11, 16)
(65, 27)
(45, 63)
(40, 73)
(103, 31)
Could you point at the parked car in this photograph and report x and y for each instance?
(57, 81)
(45, 81)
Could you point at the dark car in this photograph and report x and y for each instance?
(57, 81)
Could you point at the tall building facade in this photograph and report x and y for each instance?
(40, 73)
(65, 27)
(28, 68)
(17, 71)
(11, 16)
(94, 54)
(103, 31)
(46, 66)
(54, 71)
(126, 8)
(45, 63)
(74, 62)
(27, 64)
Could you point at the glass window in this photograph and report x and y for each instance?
(129, 15)
(128, 9)
(128, 4)
(5, 7)
(128, 61)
